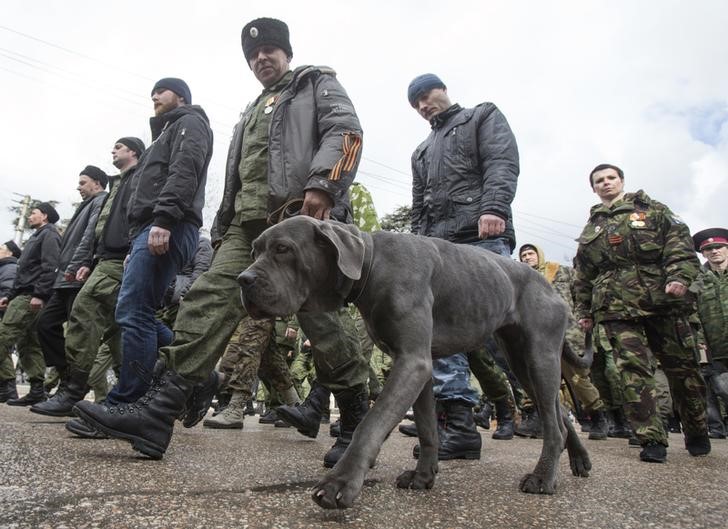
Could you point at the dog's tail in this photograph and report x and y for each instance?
(573, 358)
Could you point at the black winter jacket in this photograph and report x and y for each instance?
(169, 183)
(8, 269)
(37, 264)
(467, 167)
(113, 242)
(78, 241)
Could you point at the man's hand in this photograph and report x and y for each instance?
(83, 273)
(3, 303)
(490, 225)
(675, 288)
(317, 204)
(36, 304)
(586, 324)
(158, 241)
(69, 276)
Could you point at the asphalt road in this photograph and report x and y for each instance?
(260, 477)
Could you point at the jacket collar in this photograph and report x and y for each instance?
(441, 119)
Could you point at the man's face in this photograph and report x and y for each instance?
(530, 257)
(269, 64)
(121, 155)
(4, 251)
(87, 186)
(716, 254)
(165, 100)
(432, 103)
(37, 218)
(607, 184)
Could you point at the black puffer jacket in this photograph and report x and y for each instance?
(8, 269)
(467, 167)
(169, 182)
(37, 264)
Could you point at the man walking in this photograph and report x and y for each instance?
(32, 289)
(297, 146)
(464, 178)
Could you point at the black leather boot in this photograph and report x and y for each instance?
(483, 415)
(530, 424)
(353, 405)
(620, 425)
(147, 423)
(599, 425)
(456, 431)
(653, 452)
(36, 394)
(82, 429)
(409, 429)
(306, 416)
(72, 388)
(698, 444)
(504, 416)
(8, 391)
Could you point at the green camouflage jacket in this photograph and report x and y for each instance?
(362, 207)
(712, 291)
(627, 254)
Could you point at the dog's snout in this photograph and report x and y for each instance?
(247, 278)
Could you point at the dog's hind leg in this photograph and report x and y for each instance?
(411, 370)
(423, 476)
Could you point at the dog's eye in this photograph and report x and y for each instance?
(282, 248)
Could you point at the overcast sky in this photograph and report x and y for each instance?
(643, 85)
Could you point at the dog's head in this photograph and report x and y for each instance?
(301, 264)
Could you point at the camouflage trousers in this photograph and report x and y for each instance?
(17, 329)
(380, 365)
(252, 354)
(491, 378)
(636, 346)
(211, 310)
(303, 372)
(367, 348)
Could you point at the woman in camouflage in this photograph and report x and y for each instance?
(634, 265)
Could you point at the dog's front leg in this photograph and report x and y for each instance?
(410, 372)
(423, 476)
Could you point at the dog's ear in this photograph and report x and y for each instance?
(348, 244)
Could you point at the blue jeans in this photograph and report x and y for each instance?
(451, 374)
(145, 280)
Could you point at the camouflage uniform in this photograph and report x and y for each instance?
(628, 252)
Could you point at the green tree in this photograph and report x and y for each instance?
(398, 220)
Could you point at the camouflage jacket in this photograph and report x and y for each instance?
(627, 253)
(712, 291)
(362, 207)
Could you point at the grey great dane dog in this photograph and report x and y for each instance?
(420, 298)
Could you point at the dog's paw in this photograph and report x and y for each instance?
(535, 484)
(412, 479)
(334, 492)
(580, 465)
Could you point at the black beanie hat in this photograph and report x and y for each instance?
(265, 31)
(135, 144)
(178, 86)
(422, 84)
(14, 248)
(47, 209)
(97, 174)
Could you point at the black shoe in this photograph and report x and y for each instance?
(482, 417)
(353, 405)
(35, 395)
(147, 423)
(653, 452)
(620, 427)
(72, 388)
(306, 416)
(326, 415)
(8, 391)
(335, 428)
(673, 424)
(599, 426)
(503, 414)
(697, 445)
(458, 436)
(198, 404)
(269, 417)
(530, 426)
(409, 429)
(633, 441)
(716, 434)
(280, 423)
(249, 408)
(82, 429)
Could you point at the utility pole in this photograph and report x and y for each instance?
(20, 226)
